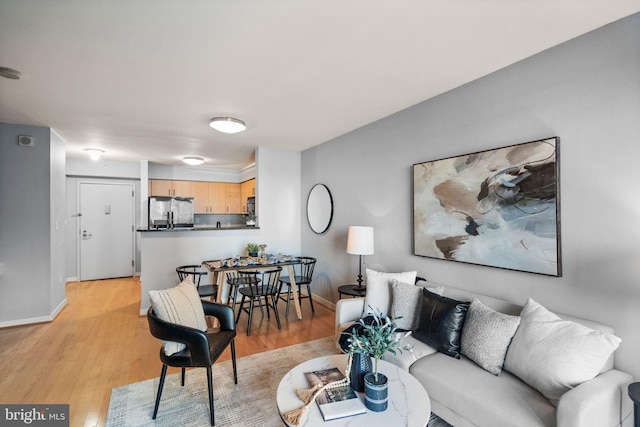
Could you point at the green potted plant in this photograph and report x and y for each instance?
(252, 249)
(374, 339)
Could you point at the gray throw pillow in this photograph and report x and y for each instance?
(406, 303)
(405, 306)
(486, 336)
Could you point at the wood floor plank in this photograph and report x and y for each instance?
(99, 341)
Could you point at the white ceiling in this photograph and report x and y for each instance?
(141, 78)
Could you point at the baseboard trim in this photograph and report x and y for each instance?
(324, 302)
(32, 320)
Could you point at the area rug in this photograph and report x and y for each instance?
(235, 405)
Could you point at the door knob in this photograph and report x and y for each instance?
(85, 235)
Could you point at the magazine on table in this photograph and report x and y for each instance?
(335, 402)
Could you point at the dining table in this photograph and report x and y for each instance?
(219, 268)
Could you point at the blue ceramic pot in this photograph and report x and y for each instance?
(376, 392)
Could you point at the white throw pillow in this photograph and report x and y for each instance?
(486, 336)
(378, 297)
(180, 305)
(554, 355)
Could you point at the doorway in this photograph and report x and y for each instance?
(106, 230)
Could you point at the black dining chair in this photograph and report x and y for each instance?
(307, 265)
(196, 273)
(235, 280)
(202, 348)
(264, 291)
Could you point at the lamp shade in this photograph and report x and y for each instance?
(360, 240)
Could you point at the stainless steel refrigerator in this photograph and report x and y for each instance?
(170, 212)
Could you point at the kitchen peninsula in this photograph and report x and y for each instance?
(199, 228)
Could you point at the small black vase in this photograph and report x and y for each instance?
(360, 366)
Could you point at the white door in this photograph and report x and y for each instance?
(106, 230)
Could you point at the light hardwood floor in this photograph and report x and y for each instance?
(99, 341)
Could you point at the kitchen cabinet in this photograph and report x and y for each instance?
(216, 197)
(200, 194)
(232, 198)
(165, 187)
(247, 189)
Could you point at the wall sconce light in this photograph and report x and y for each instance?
(227, 124)
(94, 153)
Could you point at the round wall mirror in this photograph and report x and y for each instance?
(319, 208)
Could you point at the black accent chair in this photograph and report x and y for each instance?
(196, 273)
(203, 348)
(264, 291)
(307, 266)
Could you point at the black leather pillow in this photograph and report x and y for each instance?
(441, 321)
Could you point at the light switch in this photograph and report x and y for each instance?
(107, 209)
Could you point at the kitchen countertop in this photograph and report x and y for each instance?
(199, 228)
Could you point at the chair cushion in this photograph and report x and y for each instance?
(441, 322)
(180, 305)
(486, 336)
(378, 297)
(554, 355)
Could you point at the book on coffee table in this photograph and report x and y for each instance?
(335, 402)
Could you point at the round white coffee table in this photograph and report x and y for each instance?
(409, 403)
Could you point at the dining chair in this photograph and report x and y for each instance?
(307, 265)
(235, 280)
(264, 291)
(202, 348)
(196, 273)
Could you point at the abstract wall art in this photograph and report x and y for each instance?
(497, 208)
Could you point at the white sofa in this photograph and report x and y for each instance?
(464, 394)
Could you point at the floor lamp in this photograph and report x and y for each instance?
(360, 242)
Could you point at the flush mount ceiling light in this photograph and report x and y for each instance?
(94, 153)
(193, 161)
(227, 124)
(10, 73)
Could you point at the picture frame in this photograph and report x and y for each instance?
(498, 208)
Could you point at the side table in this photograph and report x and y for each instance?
(351, 290)
(634, 394)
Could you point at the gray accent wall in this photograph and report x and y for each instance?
(587, 92)
(32, 224)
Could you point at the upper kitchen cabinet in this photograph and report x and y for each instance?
(232, 198)
(164, 187)
(216, 197)
(247, 189)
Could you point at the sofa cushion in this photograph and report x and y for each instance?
(554, 355)
(441, 322)
(180, 305)
(378, 297)
(486, 336)
(405, 304)
(460, 387)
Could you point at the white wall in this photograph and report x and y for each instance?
(587, 92)
(278, 200)
(31, 225)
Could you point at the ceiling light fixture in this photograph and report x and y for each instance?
(94, 153)
(227, 124)
(10, 73)
(193, 161)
